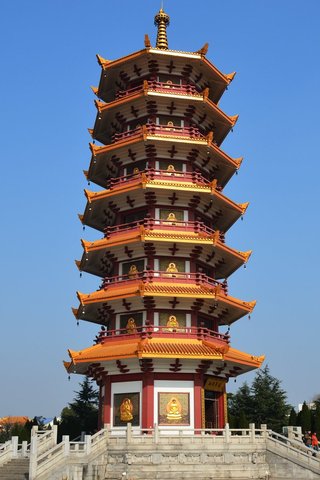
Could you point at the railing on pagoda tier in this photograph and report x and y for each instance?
(152, 174)
(155, 276)
(160, 130)
(176, 225)
(152, 331)
(161, 87)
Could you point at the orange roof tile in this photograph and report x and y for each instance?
(237, 356)
(13, 420)
(161, 347)
(196, 350)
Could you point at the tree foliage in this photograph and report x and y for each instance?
(81, 415)
(304, 418)
(263, 402)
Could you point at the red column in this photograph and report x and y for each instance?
(198, 383)
(147, 416)
(106, 406)
(221, 410)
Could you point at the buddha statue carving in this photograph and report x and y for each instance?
(170, 125)
(126, 409)
(136, 171)
(168, 84)
(131, 326)
(174, 409)
(171, 270)
(172, 218)
(133, 271)
(170, 170)
(172, 324)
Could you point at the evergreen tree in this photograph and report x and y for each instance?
(241, 407)
(269, 401)
(82, 414)
(316, 427)
(304, 418)
(292, 418)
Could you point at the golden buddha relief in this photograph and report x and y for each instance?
(172, 218)
(173, 408)
(171, 270)
(136, 170)
(170, 170)
(126, 321)
(168, 84)
(126, 409)
(170, 319)
(172, 324)
(133, 271)
(170, 126)
(131, 326)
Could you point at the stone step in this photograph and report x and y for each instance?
(16, 469)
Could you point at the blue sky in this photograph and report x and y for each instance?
(47, 66)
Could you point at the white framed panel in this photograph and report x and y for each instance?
(170, 386)
(126, 387)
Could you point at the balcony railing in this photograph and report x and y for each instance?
(161, 130)
(152, 174)
(153, 331)
(162, 87)
(154, 224)
(153, 276)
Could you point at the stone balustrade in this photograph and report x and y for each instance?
(130, 454)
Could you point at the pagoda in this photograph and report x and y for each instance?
(159, 357)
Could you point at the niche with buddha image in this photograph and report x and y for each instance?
(177, 323)
(131, 323)
(126, 409)
(172, 216)
(132, 269)
(173, 409)
(136, 167)
(172, 267)
(171, 166)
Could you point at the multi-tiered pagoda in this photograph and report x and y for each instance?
(159, 357)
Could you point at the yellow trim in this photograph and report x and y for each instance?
(203, 418)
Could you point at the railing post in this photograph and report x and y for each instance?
(264, 429)
(252, 428)
(156, 433)
(14, 442)
(87, 441)
(24, 449)
(33, 454)
(55, 434)
(34, 430)
(66, 445)
(227, 433)
(107, 430)
(129, 433)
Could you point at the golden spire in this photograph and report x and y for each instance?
(161, 20)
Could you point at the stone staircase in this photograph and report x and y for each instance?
(15, 469)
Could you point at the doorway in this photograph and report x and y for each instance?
(211, 410)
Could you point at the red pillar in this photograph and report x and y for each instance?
(106, 406)
(221, 410)
(198, 383)
(147, 400)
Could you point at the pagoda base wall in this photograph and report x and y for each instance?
(150, 394)
(204, 457)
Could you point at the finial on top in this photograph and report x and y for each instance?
(161, 20)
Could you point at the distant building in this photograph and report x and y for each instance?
(4, 421)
